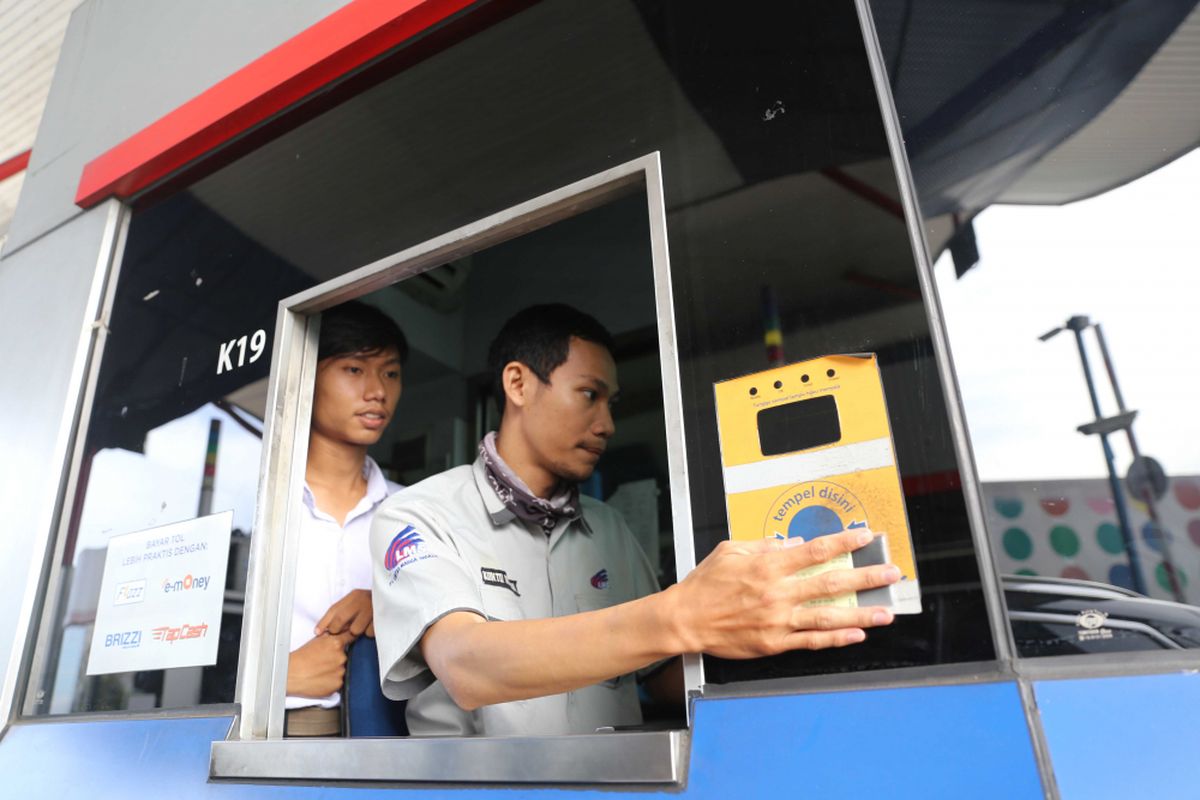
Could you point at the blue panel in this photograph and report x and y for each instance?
(944, 741)
(948, 741)
(1123, 737)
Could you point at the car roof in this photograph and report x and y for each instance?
(1067, 586)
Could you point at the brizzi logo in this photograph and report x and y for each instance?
(184, 584)
(126, 640)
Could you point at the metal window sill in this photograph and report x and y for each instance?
(624, 758)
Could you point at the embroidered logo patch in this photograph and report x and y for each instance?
(405, 544)
(498, 577)
(600, 579)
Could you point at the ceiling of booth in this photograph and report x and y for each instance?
(1155, 120)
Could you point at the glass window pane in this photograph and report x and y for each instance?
(1063, 223)
(174, 433)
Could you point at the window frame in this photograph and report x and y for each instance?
(255, 747)
(43, 593)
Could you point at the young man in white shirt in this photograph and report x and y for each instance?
(357, 385)
(510, 605)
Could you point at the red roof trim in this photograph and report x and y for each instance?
(333, 47)
(14, 165)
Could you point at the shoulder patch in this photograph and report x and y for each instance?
(405, 544)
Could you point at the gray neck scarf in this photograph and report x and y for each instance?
(517, 497)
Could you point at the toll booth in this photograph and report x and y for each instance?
(729, 190)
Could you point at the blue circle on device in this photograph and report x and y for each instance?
(814, 521)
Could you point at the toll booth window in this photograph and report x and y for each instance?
(786, 244)
(799, 425)
(1066, 299)
(443, 414)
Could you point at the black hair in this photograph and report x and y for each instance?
(540, 337)
(356, 327)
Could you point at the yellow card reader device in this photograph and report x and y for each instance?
(806, 451)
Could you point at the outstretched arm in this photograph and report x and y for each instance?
(743, 601)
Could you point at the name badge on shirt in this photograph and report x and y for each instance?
(498, 577)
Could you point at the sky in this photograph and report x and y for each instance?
(1129, 259)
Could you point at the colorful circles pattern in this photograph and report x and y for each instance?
(1153, 535)
(1008, 507)
(1064, 541)
(1119, 575)
(1055, 506)
(1164, 580)
(1187, 493)
(1108, 536)
(1017, 544)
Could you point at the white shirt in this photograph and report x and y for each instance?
(333, 560)
(449, 544)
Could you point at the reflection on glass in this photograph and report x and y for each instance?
(129, 492)
(174, 433)
(1050, 505)
(1085, 274)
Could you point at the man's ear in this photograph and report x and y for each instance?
(517, 381)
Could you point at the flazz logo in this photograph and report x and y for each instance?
(498, 577)
(185, 584)
(171, 635)
(130, 592)
(600, 579)
(405, 544)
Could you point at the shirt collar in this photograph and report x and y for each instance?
(377, 492)
(497, 511)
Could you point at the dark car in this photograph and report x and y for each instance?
(1059, 616)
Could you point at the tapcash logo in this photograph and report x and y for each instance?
(185, 584)
(171, 635)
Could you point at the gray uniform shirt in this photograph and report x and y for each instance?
(448, 544)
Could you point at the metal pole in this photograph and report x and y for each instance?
(1118, 495)
(1148, 494)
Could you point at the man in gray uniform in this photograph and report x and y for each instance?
(507, 604)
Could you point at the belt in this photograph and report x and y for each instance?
(312, 721)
